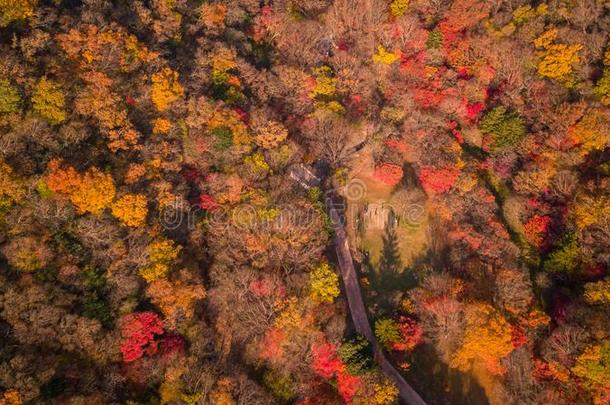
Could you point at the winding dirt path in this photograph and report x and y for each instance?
(407, 395)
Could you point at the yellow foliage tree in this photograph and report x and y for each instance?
(399, 7)
(487, 339)
(131, 209)
(161, 253)
(270, 134)
(385, 57)
(95, 192)
(14, 10)
(161, 126)
(11, 188)
(323, 284)
(557, 60)
(592, 132)
(385, 393)
(588, 210)
(175, 300)
(598, 292)
(165, 88)
(49, 101)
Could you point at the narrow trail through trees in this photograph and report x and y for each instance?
(358, 311)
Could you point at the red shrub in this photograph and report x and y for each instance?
(207, 202)
(436, 181)
(388, 173)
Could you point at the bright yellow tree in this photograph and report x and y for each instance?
(323, 284)
(161, 253)
(165, 88)
(94, 193)
(557, 60)
(131, 209)
(385, 393)
(12, 189)
(49, 101)
(487, 339)
(176, 300)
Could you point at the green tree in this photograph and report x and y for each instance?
(506, 128)
(565, 257)
(281, 385)
(357, 355)
(9, 97)
(387, 332)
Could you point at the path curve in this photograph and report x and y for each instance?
(357, 309)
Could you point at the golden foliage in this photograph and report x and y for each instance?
(165, 88)
(592, 132)
(135, 172)
(49, 102)
(270, 135)
(94, 193)
(92, 46)
(588, 210)
(91, 191)
(12, 189)
(176, 300)
(385, 57)
(131, 209)
(10, 397)
(213, 16)
(386, 393)
(487, 339)
(399, 7)
(14, 10)
(161, 126)
(323, 284)
(161, 253)
(557, 60)
(598, 292)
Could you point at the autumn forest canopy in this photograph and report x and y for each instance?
(168, 168)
